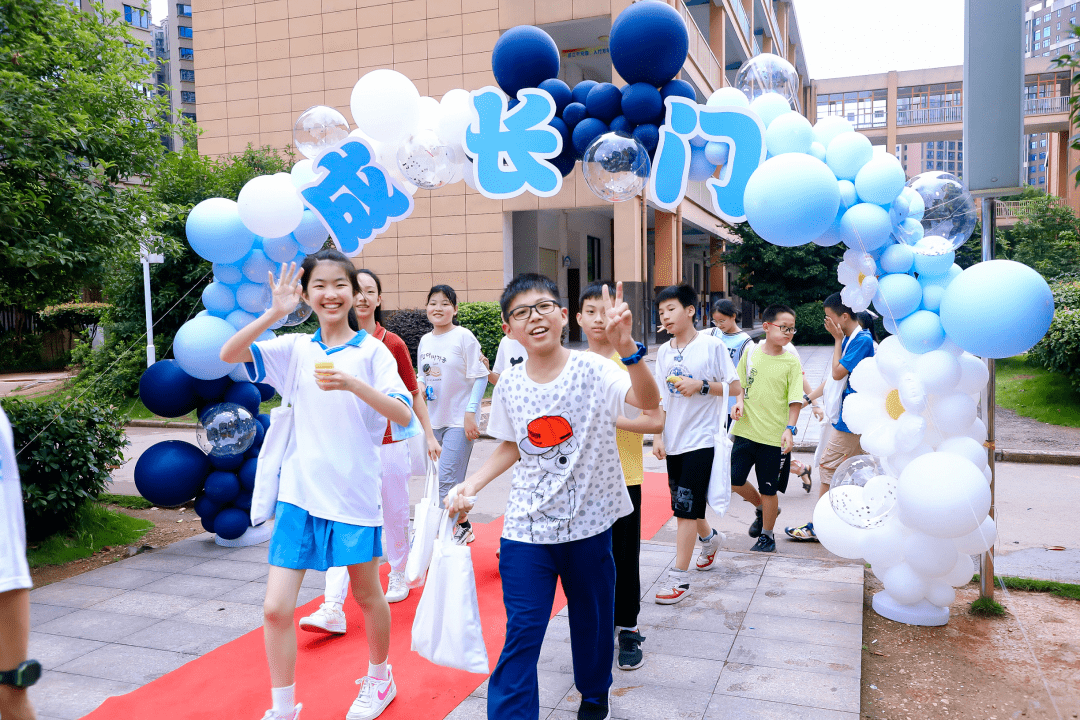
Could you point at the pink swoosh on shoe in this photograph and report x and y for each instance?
(382, 695)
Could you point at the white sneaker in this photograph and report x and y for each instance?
(706, 559)
(676, 587)
(396, 589)
(463, 535)
(329, 618)
(374, 696)
(293, 714)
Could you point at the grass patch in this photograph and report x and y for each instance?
(986, 607)
(1036, 393)
(131, 502)
(1065, 590)
(95, 527)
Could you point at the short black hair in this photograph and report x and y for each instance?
(595, 291)
(725, 307)
(523, 283)
(835, 303)
(769, 314)
(683, 293)
(445, 290)
(377, 315)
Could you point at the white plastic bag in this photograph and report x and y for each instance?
(447, 629)
(418, 457)
(719, 496)
(427, 517)
(268, 470)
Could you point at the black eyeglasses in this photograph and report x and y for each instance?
(524, 312)
(784, 329)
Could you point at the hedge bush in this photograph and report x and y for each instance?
(1059, 351)
(810, 325)
(68, 463)
(409, 324)
(483, 319)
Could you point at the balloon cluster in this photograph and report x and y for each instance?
(220, 476)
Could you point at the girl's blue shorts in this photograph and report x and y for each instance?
(303, 542)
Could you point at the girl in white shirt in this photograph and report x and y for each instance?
(454, 379)
(328, 511)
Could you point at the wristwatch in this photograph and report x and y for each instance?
(807, 399)
(23, 676)
(704, 387)
(794, 430)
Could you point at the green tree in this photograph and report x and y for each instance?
(1047, 237)
(77, 121)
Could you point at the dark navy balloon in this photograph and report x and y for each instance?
(574, 113)
(171, 472)
(648, 43)
(581, 90)
(231, 523)
(648, 136)
(622, 126)
(586, 131)
(678, 88)
(246, 395)
(641, 103)
(559, 91)
(524, 57)
(604, 102)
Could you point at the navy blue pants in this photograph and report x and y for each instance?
(529, 571)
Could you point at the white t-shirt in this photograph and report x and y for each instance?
(14, 570)
(692, 422)
(449, 363)
(569, 483)
(510, 353)
(332, 465)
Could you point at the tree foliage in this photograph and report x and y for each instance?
(1047, 237)
(76, 122)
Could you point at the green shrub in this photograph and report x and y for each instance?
(111, 372)
(410, 325)
(484, 319)
(810, 325)
(65, 457)
(1059, 350)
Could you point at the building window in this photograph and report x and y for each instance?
(187, 96)
(187, 75)
(1042, 181)
(187, 54)
(1038, 34)
(1031, 158)
(940, 165)
(184, 32)
(189, 116)
(1046, 17)
(864, 108)
(137, 17)
(1042, 156)
(183, 10)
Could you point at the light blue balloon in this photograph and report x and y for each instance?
(817, 150)
(311, 234)
(769, 106)
(932, 264)
(698, 141)
(866, 227)
(253, 297)
(931, 297)
(921, 331)
(218, 298)
(197, 345)
(266, 335)
(239, 319)
(203, 313)
(256, 265)
(700, 167)
(789, 133)
(954, 272)
(902, 205)
(228, 274)
(897, 259)
(216, 233)
(830, 126)
(997, 309)
(716, 152)
(898, 295)
(881, 179)
(791, 199)
(908, 232)
(833, 235)
(889, 324)
(282, 249)
(239, 374)
(847, 153)
(848, 196)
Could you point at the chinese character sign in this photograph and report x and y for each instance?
(511, 147)
(353, 195)
(739, 128)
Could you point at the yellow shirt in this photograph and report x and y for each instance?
(631, 447)
(775, 382)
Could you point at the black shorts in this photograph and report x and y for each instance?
(766, 460)
(688, 481)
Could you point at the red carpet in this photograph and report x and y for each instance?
(233, 681)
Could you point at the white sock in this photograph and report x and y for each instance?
(284, 698)
(619, 629)
(378, 671)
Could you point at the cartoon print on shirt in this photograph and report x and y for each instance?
(516, 361)
(674, 374)
(554, 499)
(432, 376)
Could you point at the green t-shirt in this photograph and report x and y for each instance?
(775, 382)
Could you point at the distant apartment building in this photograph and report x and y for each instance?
(1048, 32)
(175, 77)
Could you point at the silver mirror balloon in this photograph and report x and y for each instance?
(616, 167)
(226, 429)
(768, 73)
(862, 494)
(426, 162)
(318, 128)
(948, 212)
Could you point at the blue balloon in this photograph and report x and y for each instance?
(897, 258)
(716, 152)
(260, 434)
(817, 150)
(678, 88)
(266, 393)
(622, 126)
(228, 274)
(648, 43)
(881, 179)
(848, 197)
(770, 106)
(847, 153)
(216, 233)
(243, 501)
(282, 249)
(931, 297)
(790, 132)
(648, 136)
(581, 91)
(898, 296)
(231, 523)
(586, 131)
(197, 345)
(240, 318)
(574, 113)
(257, 265)
(311, 234)
(833, 235)
(641, 103)
(211, 390)
(566, 160)
(524, 56)
(246, 395)
(564, 131)
(264, 418)
(218, 298)
(205, 507)
(207, 524)
(866, 227)
(166, 390)
(791, 199)
(559, 91)
(171, 472)
(932, 265)
(700, 167)
(221, 487)
(921, 331)
(604, 102)
(997, 309)
(247, 474)
(227, 462)
(253, 298)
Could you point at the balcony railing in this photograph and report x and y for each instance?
(930, 116)
(756, 46)
(740, 13)
(699, 50)
(1046, 105)
(1014, 209)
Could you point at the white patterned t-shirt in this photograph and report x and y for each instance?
(569, 483)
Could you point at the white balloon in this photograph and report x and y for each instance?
(910, 431)
(939, 371)
(940, 593)
(728, 97)
(898, 461)
(943, 495)
(455, 115)
(962, 572)
(988, 474)
(883, 547)
(912, 393)
(904, 584)
(428, 113)
(270, 206)
(835, 535)
(973, 374)
(302, 173)
(893, 359)
(977, 431)
(950, 347)
(384, 105)
(979, 540)
(929, 556)
(952, 414)
(964, 446)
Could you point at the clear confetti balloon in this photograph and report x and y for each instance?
(768, 73)
(226, 429)
(616, 167)
(862, 494)
(426, 162)
(296, 317)
(318, 128)
(949, 215)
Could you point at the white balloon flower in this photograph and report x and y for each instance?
(888, 415)
(858, 273)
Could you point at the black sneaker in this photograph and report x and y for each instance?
(764, 544)
(630, 655)
(589, 710)
(755, 527)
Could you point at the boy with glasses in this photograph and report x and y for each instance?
(769, 408)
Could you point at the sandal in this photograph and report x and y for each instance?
(807, 478)
(802, 534)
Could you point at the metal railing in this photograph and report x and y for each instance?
(930, 116)
(1046, 105)
(699, 50)
(756, 46)
(744, 22)
(1014, 209)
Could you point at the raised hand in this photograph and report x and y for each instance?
(620, 320)
(287, 290)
